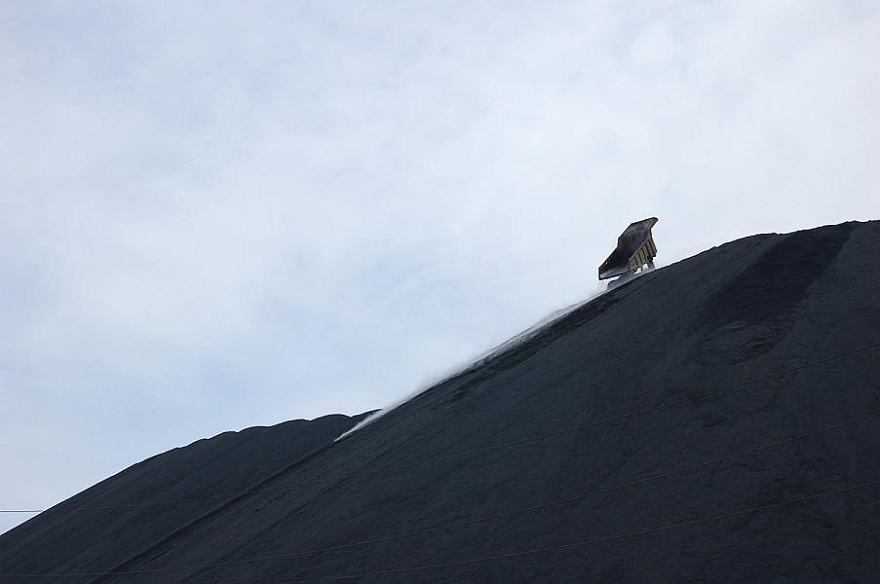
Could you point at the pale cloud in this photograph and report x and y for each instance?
(236, 214)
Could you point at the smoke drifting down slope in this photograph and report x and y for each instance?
(717, 420)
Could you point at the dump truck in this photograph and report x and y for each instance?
(634, 253)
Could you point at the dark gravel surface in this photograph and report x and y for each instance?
(714, 421)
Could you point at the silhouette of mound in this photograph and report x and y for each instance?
(717, 420)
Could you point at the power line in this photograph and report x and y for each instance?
(476, 451)
(516, 511)
(21, 510)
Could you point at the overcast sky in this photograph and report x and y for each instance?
(224, 214)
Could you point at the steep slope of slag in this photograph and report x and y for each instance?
(714, 421)
(144, 504)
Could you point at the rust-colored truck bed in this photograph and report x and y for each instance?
(635, 248)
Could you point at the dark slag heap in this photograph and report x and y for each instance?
(717, 420)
